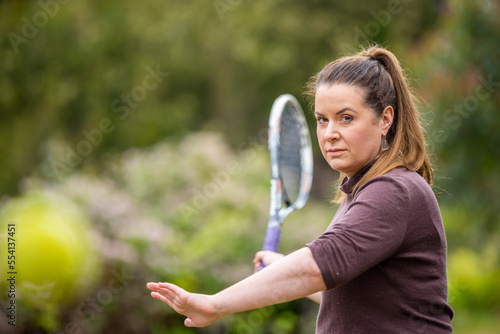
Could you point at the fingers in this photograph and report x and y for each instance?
(152, 286)
(171, 287)
(199, 309)
(165, 292)
(162, 298)
(156, 288)
(258, 259)
(256, 266)
(259, 256)
(165, 287)
(189, 323)
(267, 257)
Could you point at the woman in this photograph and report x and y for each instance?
(381, 264)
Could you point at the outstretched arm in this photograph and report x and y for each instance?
(294, 276)
(268, 258)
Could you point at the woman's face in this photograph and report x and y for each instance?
(349, 133)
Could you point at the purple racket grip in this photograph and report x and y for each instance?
(271, 241)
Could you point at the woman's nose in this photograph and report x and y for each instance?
(331, 132)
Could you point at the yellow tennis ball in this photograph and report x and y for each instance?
(50, 240)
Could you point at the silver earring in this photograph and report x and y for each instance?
(385, 145)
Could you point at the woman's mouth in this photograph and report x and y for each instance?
(333, 152)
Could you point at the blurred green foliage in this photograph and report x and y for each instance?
(158, 219)
(465, 130)
(87, 61)
(152, 118)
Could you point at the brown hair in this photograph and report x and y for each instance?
(378, 72)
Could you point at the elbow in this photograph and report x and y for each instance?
(313, 273)
(316, 278)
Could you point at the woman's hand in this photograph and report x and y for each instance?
(200, 310)
(290, 277)
(266, 257)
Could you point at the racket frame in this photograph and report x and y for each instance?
(278, 212)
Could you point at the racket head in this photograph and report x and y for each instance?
(291, 152)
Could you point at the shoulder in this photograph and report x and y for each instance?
(398, 182)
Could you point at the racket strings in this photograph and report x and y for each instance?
(289, 154)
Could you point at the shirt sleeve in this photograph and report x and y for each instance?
(371, 230)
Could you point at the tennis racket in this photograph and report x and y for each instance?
(291, 165)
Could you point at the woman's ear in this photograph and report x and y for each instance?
(386, 119)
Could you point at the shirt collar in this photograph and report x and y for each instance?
(348, 184)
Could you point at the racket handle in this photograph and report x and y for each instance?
(271, 240)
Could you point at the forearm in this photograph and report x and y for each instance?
(296, 275)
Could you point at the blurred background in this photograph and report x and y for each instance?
(133, 149)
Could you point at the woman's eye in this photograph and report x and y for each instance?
(321, 120)
(346, 118)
